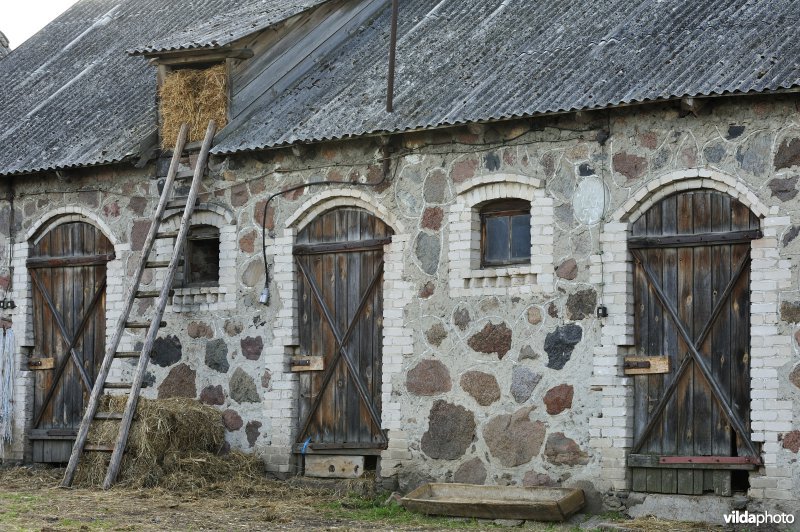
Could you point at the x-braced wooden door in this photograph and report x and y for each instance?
(67, 267)
(692, 307)
(339, 259)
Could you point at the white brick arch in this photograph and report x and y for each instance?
(612, 431)
(696, 178)
(64, 215)
(330, 199)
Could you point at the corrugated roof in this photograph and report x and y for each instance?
(73, 97)
(239, 19)
(462, 61)
(4, 49)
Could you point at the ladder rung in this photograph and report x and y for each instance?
(119, 385)
(142, 324)
(160, 263)
(108, 415)
(170, 234)
(98, 447)
(186, 173)
(127, 354)
(152, 293)
(180, 204)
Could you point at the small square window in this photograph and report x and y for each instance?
(201, 260)
(505, 233)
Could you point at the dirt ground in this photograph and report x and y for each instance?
(31, 500)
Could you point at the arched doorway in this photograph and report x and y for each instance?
(67, 266)
(339, 258)
(692, 329)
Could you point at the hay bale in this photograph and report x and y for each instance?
(172, 443)
(193, 97)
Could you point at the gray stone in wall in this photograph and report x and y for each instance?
(788, 154)
(481, 386)
(523, 382)
(451, 431)
(436, 334)
(243, 387)
(560, 343)
(661, 159)
(492, 339)
(166, 351)
(461, 318)
(790, 235)
(217, 355)
(527, 353)
(179, 382)
(252, 431)
(714, 153)
(790, 311)
(534, 315)
(427, 249)
(752, 155)
(491, 161)
(435, 190)
(784, 189)
(513, 439)
(471, 472)
(581, 304)
(734, 132)
(429, 377)
(561, 450)
(253, 274)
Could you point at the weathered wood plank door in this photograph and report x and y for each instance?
(692, 305)
(339, 259)
(67, 266)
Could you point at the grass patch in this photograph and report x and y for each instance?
(369, 510)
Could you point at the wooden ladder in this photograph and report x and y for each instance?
(134, 388)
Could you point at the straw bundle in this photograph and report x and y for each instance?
(173, 443)
(194, 97)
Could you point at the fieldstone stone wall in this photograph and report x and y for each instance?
(496, 376)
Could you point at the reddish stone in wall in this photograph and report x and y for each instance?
(432, 218)
(247, 242)
(429, 377)
(561, 450)
(492, 339)
(631, 166)
(139, 232)
(427, 290)
(568, 270)
(463, 170)
(212, 395)
(258, 214)
(791, 441)
(232, 420)
(180, 382)
(558, 399)
(111, 210)
(239, 195)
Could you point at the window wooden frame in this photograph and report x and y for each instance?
(503, 209)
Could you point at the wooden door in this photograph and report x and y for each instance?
(68, 275)
(339, 260)
(692, 305)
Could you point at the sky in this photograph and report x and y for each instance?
(21, 19)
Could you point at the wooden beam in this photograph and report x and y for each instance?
(187, 57)
(700, 239)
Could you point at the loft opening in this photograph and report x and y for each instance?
(201, 259)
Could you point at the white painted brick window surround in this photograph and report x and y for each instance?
(612, 432)
(281, 399)
(203, 298)
(467, 278)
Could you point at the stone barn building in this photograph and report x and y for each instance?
(567, 256)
